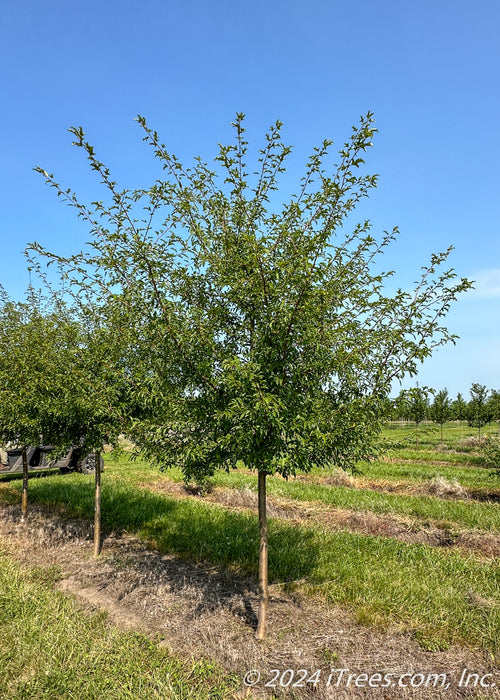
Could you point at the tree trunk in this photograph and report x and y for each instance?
(441, 434)
(24, 500)
(263, 557)
(97, 509)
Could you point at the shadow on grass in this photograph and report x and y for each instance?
(189, 528)
(201, 534)
(33, 474)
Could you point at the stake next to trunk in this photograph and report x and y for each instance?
(97, 508)
(263, 558)
(24, 499)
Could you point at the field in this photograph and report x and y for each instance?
(393, 569)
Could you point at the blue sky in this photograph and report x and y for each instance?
(428, 70)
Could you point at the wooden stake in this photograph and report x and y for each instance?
(263, 558)
(24, 501)
(97, 509)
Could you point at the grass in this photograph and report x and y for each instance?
(466, 514)
(49, 650)
(430, 455)
(429, 434)
(442, 595)
(458, 514)
(381, 580)
(418, 472)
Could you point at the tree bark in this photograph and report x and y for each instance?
(24, 500)
(97, 508)
(263, 558)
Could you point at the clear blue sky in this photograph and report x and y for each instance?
(428, 70)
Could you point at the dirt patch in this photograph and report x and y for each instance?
(201, 611)
(475, 442)
(402, 528)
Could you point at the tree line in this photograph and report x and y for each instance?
(419, 404)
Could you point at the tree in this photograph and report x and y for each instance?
(440, 409)
(418, 407)
(492, 456)
(494, 403)
(459, 411)
(263, 334)
(479, 409)
(401, 407)
(55, 384)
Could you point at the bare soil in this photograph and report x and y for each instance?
(201, 611)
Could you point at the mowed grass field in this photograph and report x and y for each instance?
(411, 540)
(49, 650)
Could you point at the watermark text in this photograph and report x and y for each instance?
(345, 678)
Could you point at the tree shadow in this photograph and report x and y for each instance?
(216, 549)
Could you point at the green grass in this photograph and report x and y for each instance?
(465, 514)
(474, 478)
(455, 462)
(379, 579)
(49, 650)
(429, 455)
(430, 433)
(458, 514)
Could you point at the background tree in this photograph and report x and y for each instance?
(263, 334)
(55, 380)
(494, 402)
(459, 411)
(492, 456)
(418, 407)
(401, 406)
(479, 412)
(387, 408)
(440, 409)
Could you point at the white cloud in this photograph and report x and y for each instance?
(487, 284)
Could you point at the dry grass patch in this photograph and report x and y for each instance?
(442, 488)
(474, 442)
(339, 477)
(438, 487)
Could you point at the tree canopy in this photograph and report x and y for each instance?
(55, 379)
(257, 332)
(267, 329)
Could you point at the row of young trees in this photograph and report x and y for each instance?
(230, 329)
(58, 383)
(421, 403)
